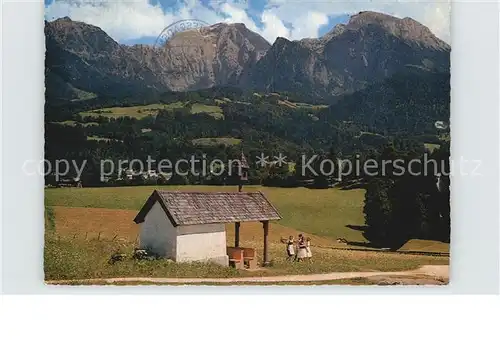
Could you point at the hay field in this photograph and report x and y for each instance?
(110, 224)
(81, 240)
(323, 212)
(86, 226)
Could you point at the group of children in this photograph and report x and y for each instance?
(300, 251)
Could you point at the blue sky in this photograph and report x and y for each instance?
(141, 21)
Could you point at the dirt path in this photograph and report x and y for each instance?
(429, 272)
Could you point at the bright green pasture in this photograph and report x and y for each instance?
(315, 211)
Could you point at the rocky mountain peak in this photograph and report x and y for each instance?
(222, 26)
(369, 48)
(90, 60)
(335, 31)
(64, 19)
(406, 28)
(371, 17)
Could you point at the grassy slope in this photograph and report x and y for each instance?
(348, 281)
(215, 110)
(431, 147)
(75, 123)
(83, 95)
(76, 258)
(96, 138)
(142, 111)
(111, 224)
(355, 281)
(324, 212)
(216, 141)
(87, 225)
(131, 111)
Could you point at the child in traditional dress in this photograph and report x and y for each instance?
(308, 249)
(290, 249)
(301, 252)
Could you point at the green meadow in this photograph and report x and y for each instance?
(324, 212)
(142, 111)
(216, 141)
(85, 226)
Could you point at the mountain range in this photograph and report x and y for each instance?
(82, 61)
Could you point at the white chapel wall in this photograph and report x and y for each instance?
(157, 233)
(201, 242)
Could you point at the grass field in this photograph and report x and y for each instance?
(214, 111)
(142, 111)
(83, 95)
(223, 101)
(86, 226)
(426, 246)
(131, 111)
(324, 212)
(348, 281)
(71, 256)
(75, 123)
(113, 224)
(445, 137)
(431, 147)
(354, 281)
(96, 138)
(216, 141)
(301, 105)
(304, 105)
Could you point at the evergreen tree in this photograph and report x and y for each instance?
(378, 211)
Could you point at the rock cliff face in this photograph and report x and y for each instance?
(197, 59)
(371, 47)
(85, 57)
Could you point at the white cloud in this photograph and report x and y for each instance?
(307, 26)
(237, 14)
(120, 19)
(437, 18)
(130, 19)
(434, 14)
(273, 27)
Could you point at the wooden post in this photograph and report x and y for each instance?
(242, 177)
(237, 234)
(265, 225)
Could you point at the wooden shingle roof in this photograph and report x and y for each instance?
(187, 208)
